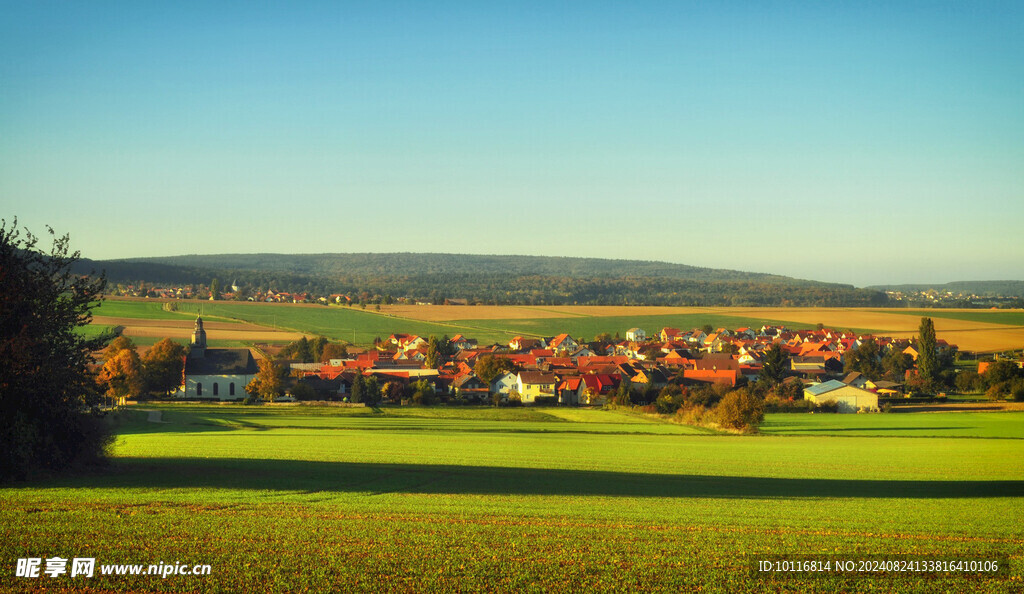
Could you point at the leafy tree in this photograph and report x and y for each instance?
(423, 392)
(1001, 371)
(435, 358)
(333, 350)
(215, 289)
(163, 365)
(707, 328)
(927, 357)
(865, 359)
(269, 381)
(48, 395)
(317, 346)
(623, 393)
(968, 381)
(790, 390)
(488, 367)
(775, 364)
(669, 399)
(741, 410)
(895, 364)
(393, 391)
(303, 391)
(122, 375)
(117, 345)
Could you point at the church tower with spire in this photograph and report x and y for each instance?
(198, 340)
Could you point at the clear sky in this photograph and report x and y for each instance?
(860, 142)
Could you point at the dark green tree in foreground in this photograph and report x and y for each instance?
(48, 396)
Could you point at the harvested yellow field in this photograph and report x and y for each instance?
(968, 335)
(893, 320)
(980, 340)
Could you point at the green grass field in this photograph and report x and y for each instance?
(151, 310)
(361, 327)
(413, 499)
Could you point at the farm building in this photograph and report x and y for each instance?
(216, 373)
(849, 398)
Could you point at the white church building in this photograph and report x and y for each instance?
(220, 374)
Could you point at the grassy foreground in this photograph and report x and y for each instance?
(307, 499)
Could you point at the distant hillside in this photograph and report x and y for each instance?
(1005, 288)
(489, 279)
(403, 264)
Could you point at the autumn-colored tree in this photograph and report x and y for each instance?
(163, 365)
(122, 375)
(269, 381)
(740, 410)
(117, 345)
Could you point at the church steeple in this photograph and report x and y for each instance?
(198, 339)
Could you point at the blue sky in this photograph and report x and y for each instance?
(856, 142)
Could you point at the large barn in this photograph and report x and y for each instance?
(216, 373)
(849, 398)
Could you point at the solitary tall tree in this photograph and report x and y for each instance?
(48, 394)
(927, 355)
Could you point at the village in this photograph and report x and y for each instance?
(818, 365)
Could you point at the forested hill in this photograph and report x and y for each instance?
(488, 279)
(404, 264)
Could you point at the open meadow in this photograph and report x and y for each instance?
(972, 330)
(279, 498)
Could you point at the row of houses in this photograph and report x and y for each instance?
(561, 369)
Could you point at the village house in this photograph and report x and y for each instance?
(535, 384)
(504, 384)
(636, 335)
